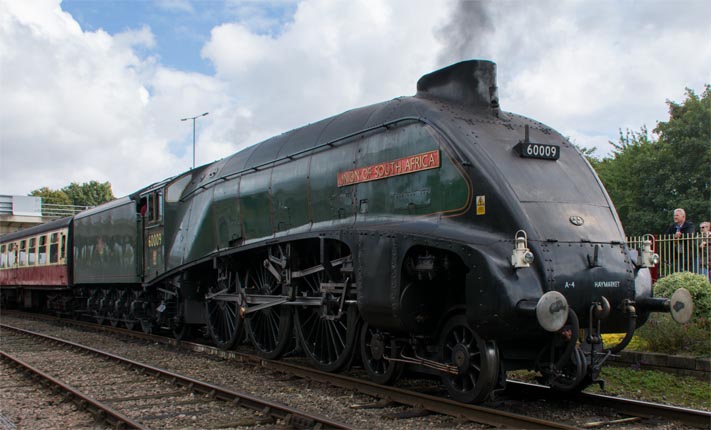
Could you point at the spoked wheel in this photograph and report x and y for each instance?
(182, 330)
(115, 299)
(572, 377)
(129, 321)
(476, 362)
(114, 320)
(328, 339)
(224, 322)
(129, 318)
(376, 348)
(101, 307)
(270, 329)
(99, 317)
(146, 326)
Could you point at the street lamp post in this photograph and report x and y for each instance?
(194, 118)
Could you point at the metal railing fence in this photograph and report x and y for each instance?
(58, 211)
(688, 253)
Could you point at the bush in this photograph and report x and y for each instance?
(698, 286)
(663, 334)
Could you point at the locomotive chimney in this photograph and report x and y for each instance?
(470, 83)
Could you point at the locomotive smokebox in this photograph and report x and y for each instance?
(470, 83)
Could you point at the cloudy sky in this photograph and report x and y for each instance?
(95, 89)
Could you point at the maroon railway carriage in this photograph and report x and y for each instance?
(35, 261)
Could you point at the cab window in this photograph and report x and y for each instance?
(156, 206)
(3, 256)
(149, 213)
(159, 205)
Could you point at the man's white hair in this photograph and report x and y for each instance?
(683, 212)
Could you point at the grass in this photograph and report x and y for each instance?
(656, 386)
(647, 385)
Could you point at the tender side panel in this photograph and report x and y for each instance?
(105, 244)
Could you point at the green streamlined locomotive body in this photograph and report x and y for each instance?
(435, 231)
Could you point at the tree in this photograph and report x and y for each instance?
(647, 179)
(588, 153)
(53, 197)
(90, 193)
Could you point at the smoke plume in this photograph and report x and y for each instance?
(463, 36)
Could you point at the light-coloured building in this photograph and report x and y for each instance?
(19, 212)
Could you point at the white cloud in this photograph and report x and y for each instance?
(589, 69)
(80, 105)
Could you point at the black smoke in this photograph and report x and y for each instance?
(464, 35)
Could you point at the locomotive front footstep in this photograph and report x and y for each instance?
(434, 232)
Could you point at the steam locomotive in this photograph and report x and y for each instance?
(434, 232)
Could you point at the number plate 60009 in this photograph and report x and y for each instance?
(538, 150)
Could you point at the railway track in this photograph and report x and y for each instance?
(129, 394)
(633, 408)
(634, 411)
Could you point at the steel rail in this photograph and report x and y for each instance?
(473, 413)
(289, 415)
(110, 415)
(688, 416)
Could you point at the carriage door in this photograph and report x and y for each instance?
(151, 210)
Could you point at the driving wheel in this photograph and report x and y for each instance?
(376, 349)
(474, 363)
(270, 329)
(224, 322)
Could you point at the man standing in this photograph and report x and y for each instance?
(679, 229)
(705, 249)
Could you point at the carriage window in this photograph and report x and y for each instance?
(53, 248)
(64, 247)
(42, 252)
(32, 252)
(12, 255)
(23, 253)
(3, 256)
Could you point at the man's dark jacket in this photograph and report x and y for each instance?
(686, 228)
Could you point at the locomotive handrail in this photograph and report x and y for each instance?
(304, 151)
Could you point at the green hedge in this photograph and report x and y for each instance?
(662, 334)
(698, 286)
